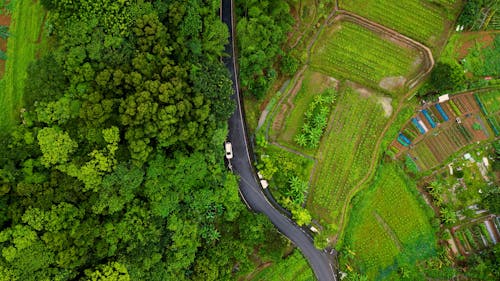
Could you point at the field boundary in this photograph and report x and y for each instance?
(389, 230)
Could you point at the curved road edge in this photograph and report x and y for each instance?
(321, 262)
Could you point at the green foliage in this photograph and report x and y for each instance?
(476, 13)
(316, 119)
(411, 165)
(289, 64)
(482, 61)
(4, 32)
(262, 29)
(446, 76)
(292, 267)
(389, 228)
(117, 172)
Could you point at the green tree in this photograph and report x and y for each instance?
(447, 76)
(56, 145)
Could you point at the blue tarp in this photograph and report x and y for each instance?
(441, 111)
(404, 138)
(415, 122)
(401, 141)
(429, 119)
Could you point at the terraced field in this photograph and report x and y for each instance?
(343, 155)
(422, 20)
(347, 50)
(389, 225)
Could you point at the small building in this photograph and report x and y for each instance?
(467, 156)
(444, 98)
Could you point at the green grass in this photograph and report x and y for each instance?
(345, 153)
(27, 20)
(294, 267)
(418, 19)
(389, 226)
(352, 52)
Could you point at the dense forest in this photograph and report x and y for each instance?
(115, 171)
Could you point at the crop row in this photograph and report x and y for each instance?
(346, 150)
(405, 16)
(356, 53)
(387, 219)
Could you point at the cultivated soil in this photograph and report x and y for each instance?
(469, 39)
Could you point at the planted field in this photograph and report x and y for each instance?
(313, 84)
(389, 227)
(347, 50)
(490, 106)
(27, 19)
(345, 153)
(442, 143)
(294, 267)
(423, 21)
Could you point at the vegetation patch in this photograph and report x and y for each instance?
(312, 84)
(389, 228)
(424, 21)
(350, 51)
(316, 119)
(345, 152)
(294, 267)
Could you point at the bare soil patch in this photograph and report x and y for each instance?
(386, 103)
(392, 83)
(469, 39)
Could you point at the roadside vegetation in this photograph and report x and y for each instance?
(293, 267)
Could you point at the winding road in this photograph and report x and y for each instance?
(322, 262)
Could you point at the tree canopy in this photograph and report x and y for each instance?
(116, 171)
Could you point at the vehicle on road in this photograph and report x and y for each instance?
(229, 150)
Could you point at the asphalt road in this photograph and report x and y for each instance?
(250, 189)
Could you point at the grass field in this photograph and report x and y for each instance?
(27, 20)
(388, 227)
(294, 267)
(419, 19)
(345, 152)
(347, 50)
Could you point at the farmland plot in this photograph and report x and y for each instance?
(27, 21)
(382, 245)
(345, 153)
(347, 50)
(420, 20)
